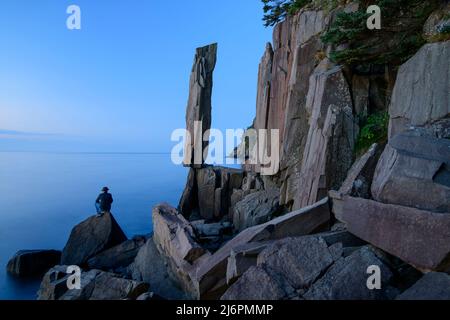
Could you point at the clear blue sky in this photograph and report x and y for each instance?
(121, 82)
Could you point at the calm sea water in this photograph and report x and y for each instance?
(43, 195)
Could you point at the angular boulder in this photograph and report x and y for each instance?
(53, 284)
(95, 285)
(175, 239)
(347, 279)
(421, 95)
(210, 281)
(242, 258)
(92, 236)
(256, 284)
(117, 257)
(433, 286)
(29, 263)
(420, 238)
(359, 178)
(175, 235)
(153, 268)
(256, 208)
(108, 286)
(300, 261)
(199, 104)
(287, 266)
(414, 171)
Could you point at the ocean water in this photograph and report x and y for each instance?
(43, 195)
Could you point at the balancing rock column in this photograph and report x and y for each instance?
(198, 111)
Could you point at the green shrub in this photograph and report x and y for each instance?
(374, 130)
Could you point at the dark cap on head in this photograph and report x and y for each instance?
(105, 189)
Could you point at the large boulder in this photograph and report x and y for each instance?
(256, 208)
(29, 263)
(300, 261)
(359, 178)
(433, 286)
(414, 171)
(242, 258)
(108, 286)
(421, 95)
(117, 257)
(210, 280)
(286, 266)
(175, 235)
(53, 284)
(347, 279)
(420, 238)
(95, 285)
(310, 268)
(199, 104)
(175, 239)
(92, 236)
(153, 268)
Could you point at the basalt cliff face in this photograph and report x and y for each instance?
(336, 212)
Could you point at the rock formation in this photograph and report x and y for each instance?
(91, 237)
(199, 104)
(29, 263)
(421, 95)
(333, 211)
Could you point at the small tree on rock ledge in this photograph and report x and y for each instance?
(277, 10)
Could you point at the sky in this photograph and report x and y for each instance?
(120, 84)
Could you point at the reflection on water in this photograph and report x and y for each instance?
(43, 195)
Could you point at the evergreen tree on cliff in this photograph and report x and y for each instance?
(277, 10)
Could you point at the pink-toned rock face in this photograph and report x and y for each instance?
(283, 89)
(421, 94)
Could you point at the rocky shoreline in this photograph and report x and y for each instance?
(322, 226)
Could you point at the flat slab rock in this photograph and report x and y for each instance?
(418, 237)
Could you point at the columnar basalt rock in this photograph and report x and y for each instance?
(199, 104)
(421, 95)
(208, 192)
(332, 133)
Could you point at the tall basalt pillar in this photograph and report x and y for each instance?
(198, 111)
